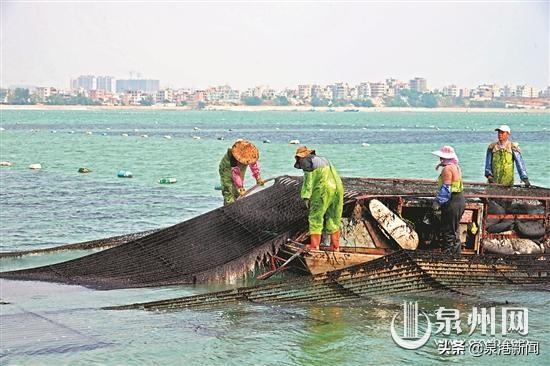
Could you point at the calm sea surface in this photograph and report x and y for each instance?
(50, 324)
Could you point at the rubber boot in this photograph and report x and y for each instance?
(314, 241)
(335, 242)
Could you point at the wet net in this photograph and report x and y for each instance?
(227, 242)
(400, 272)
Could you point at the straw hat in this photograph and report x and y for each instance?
(245, 152)
(446, 152)
(303, 151)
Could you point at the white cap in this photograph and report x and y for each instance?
(504, 128)
(446, 152)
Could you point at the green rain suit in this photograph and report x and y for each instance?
(323, 187)
(499, 162)
(232, 176)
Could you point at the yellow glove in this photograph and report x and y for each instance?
(242, 191)
(260, 181)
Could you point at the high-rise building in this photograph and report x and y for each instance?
(419, 84)
(86, 82)
(144, 85)
(106, 83)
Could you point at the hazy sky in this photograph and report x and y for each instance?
(247, 43)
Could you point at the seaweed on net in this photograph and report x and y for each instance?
(219, 245)
(225, 243)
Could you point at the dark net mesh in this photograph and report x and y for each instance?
(227, 242)
(215, 246)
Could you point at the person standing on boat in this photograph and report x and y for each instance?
(323, 194)
(233, 165)
(449, 198)
(500, 158)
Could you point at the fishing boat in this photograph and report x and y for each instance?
(497, 220)
(265, 232)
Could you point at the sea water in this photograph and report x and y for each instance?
(59, 324)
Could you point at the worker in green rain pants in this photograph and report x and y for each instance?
(500, 159)
(233, 166)
(323, 194)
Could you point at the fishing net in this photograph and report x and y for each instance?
(227, 242)
(400, 272)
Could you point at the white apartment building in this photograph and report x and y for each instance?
(451, 91)
(164, 96)
(340, 91)
(44, 93)
(377, 89)
(419, 84)
(526, 91)
(363, 91)
(304, 91)
(464, 93)
(508, 91)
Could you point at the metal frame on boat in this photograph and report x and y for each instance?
(363, 239)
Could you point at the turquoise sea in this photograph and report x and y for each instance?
(46, 324)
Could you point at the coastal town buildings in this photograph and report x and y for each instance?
(108, 90)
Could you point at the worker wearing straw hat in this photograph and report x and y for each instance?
(449, 198)
(323, 194)
(233, 165)
(500, 158)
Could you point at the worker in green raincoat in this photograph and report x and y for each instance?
(323, 193)
(233, 167)
(500, 158)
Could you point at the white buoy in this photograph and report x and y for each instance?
(196, 128)
(104, 134)
(124, 174)
(71, 132)
(124, 134)
(294, 142)
(145, 136)
(88, 132)
(167, 180)
(196, 138)
(266, 141)
(5, 163)
(168, 137)
(108, 128)
(35, 166)
(136, 130)
(2, 129)
(53, 131)
(364, 144)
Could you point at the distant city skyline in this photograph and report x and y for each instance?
(243, 44)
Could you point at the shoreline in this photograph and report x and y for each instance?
(243, 108)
